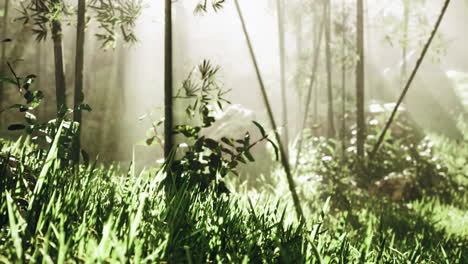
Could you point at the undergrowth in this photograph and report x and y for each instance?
(56, 211)
(51, 213)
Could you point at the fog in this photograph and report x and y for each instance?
(219, 38)
(134, 73)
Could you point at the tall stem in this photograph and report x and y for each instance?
(60, 85)
(343, 83)
(168, 81)
(404, 66)
(282, 51)
(331, 120)
(79, 67)
(313, 78)
(3, 51)
(284, 161)
(360, 77)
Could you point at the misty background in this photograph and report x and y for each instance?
(124, 84)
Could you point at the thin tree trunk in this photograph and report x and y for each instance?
(168, 81)
(315, 118)
(369, 88)
(79, 67)
(110, 132)
(360, 77)
(404, 66)
(298, 77)
(282, 51)
(299, 53)
(319, 34)
(39, 72)
(119, 101)
(60, 85)
(313, 78)
(3, 51)
(331, 120)
(410, 80)
(284, 160)
(343, 83)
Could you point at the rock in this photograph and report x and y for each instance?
(396, 186)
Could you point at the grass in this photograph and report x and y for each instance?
(51, 213)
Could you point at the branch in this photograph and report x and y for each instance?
(17, 78)
(313, 77)
(284, 158)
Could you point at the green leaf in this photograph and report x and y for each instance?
(228, 151)
(29, 97)
(85, 156)
(37, 97)
(28, 81)
(211, 144)
(150, 141)
(30, 118)
(16, 127)
(85, 107)
(241, 159)
(228, 141)
(22, 108)
(275, 148)
(246, 140)
(240, 141)
(188, 131)
(14, 228)
(8, 80)
(262, 130)
(233, 164)
(249, 156)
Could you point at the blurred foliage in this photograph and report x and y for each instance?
(112, 17)
(414, 34)
(202, 6)
(41, 133)
(406, 168)
(460, 81)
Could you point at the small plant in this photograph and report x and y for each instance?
(40, 133)
(204, 158)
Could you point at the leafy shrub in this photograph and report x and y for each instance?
(204, 159)
(405, 168)
(42, 133)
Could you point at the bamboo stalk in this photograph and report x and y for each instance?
(168, 81)
(343, 84)
(410, 80)
(282, 51)
(79, 68)
(60, 84)
(313, 78)
(284, 161)
(330, 112)
(3, 51)
(360, 83)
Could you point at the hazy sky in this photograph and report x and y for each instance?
(218, 37)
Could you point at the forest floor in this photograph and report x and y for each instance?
(51, 213)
